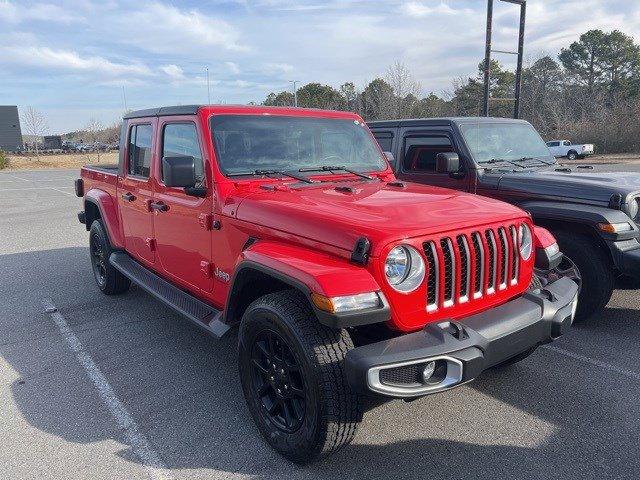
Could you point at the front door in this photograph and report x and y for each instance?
(135, 191)
(182, 226)
(417, 162)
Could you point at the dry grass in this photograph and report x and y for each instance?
(67, 160)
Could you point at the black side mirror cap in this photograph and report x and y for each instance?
(179, 171)
(447, 162)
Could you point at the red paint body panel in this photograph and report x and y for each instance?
(543, 238)
(322, 273)
(304, 231)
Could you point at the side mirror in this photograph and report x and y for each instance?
(448, 162)
(179, 171)
(391, 159)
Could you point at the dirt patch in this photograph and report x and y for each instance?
(67, 160)
(605, 159)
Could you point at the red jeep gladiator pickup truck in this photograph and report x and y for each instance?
(344, 282)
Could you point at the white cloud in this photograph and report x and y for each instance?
(160, 28)
(68, 61)
(173, 71)
(419, 9)
(278, 68)
(233, 67)
(14, 13)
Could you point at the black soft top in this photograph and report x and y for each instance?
(164, 111)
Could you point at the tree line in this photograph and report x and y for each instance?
(588, 92)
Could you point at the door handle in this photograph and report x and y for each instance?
(159, 206)
(128, 197)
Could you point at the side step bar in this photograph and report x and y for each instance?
(195, 310)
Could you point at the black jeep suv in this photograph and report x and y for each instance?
(594, 216)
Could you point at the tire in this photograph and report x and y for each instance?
(109, 280)
(596, 272)
(572, 155)
(323, 410)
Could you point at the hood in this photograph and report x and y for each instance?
(581, 186)
(376, 210)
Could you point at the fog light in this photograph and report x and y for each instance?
(429, 370)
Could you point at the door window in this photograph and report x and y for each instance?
(181, 139)
(420, 152)
(140, 150)
(553, 144)
(385, 140)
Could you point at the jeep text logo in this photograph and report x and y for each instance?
(223, 276)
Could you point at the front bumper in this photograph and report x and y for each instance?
(626, 256)
(463, 349)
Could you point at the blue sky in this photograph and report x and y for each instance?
(70, 59)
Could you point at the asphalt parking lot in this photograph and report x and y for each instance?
(120, 387)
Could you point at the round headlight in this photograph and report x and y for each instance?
(525, 241)
(634, 208)
(404, 268)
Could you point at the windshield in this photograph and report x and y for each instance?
(246, 143)
(504, 141)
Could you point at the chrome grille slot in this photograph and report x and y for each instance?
(465, 273)
(465, 267)
(493, 254)
(478, 250)
(433, 276)
(515, 259)
(504, 247)
(449, 271)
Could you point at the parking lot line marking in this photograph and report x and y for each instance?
(594, 362)
(19, 178)
(61, 191)
(29, 188)
(149, 458)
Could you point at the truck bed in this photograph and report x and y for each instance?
(102, 177)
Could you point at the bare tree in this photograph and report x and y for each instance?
(94, 134)
(406, 88)
(34, 124)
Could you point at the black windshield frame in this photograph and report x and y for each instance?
(254, 134)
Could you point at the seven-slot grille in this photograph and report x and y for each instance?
(469, 266)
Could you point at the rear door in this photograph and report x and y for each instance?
(135, 190)
(417, 159)
(182, 226)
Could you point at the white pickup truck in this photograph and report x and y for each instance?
(564, 148)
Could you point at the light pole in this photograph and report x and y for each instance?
(295, 92)
(208, 87)
(519, 53)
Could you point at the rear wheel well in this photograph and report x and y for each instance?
(91, 213)
(250, 284)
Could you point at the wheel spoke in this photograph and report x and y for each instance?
(289, 418)
(264, 351)
(261, 368)
(296, 392)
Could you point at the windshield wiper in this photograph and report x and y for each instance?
(502, 160)
(272, 172)
(528, 159)
(331, 168)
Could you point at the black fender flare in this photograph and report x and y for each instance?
(585, 217)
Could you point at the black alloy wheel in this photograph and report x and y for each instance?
(98, 259)
(277, 381)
